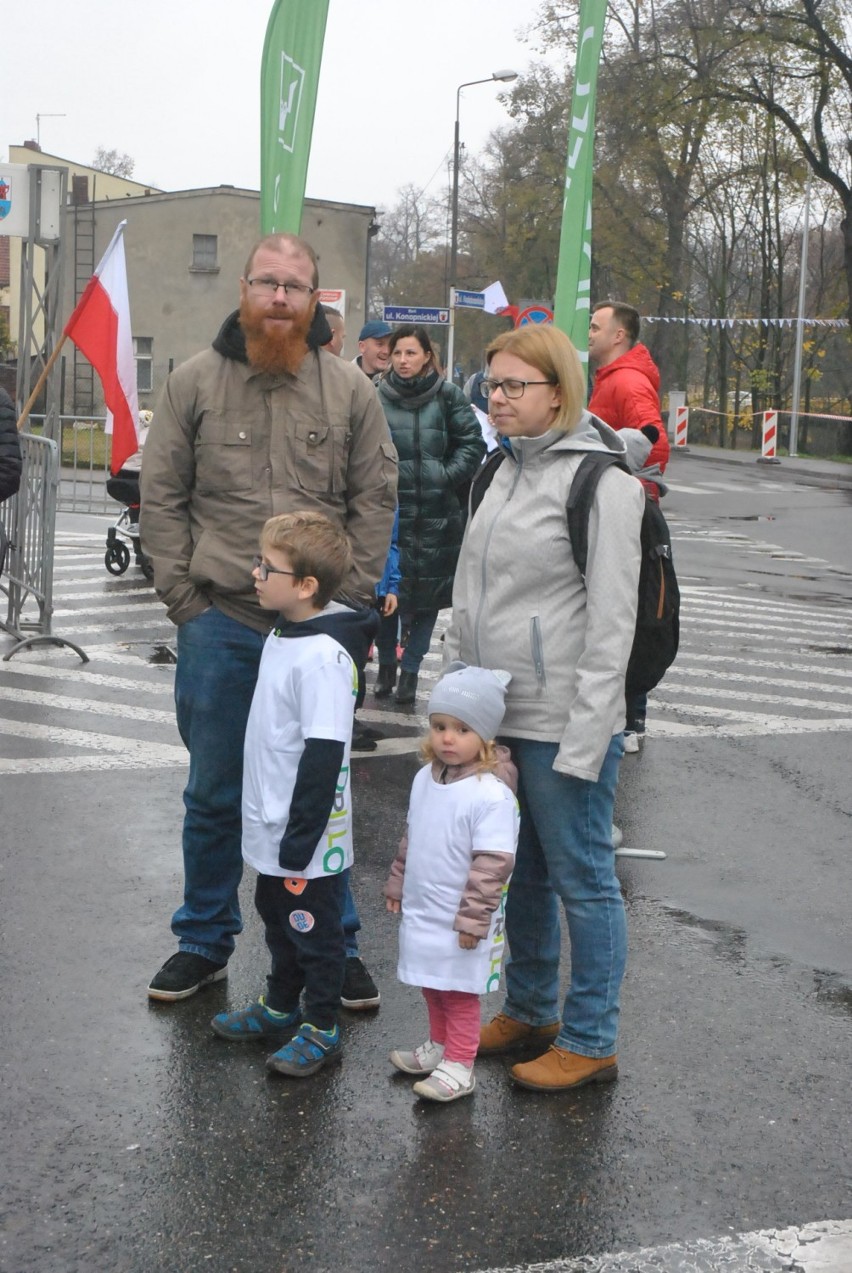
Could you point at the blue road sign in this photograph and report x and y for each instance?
(470, 300)
(415, 314)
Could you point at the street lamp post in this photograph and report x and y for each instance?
(504, 77)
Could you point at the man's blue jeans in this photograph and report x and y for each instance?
(217, 666)
(565, 854)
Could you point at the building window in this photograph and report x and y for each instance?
(143, 352)
(204, 252)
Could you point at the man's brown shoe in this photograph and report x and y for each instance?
(503, 1034)
(558, 1070)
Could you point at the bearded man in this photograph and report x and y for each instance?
(262, 423)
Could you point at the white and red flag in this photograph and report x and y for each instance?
(100, 328)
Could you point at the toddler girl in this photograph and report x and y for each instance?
(450, 874)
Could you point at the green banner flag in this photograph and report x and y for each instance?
(289, 76)
(573, 278)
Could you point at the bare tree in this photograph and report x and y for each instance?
(113, 162)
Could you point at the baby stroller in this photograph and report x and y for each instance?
(123, 487)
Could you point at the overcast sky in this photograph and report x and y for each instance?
(175, 84)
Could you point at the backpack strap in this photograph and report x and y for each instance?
(482, 479)
(581, 497)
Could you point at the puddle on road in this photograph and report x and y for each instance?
(162, 654)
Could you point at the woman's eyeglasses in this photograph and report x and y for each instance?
(510, 388)
(264, 570)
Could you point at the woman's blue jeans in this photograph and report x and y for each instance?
(565, 855)
(217, 666)
(419, 625)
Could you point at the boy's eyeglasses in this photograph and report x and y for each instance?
(264, 570)
(510, 388)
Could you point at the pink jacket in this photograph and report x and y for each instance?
(489, 872)
(626, 395)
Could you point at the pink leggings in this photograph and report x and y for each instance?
(454, 1021)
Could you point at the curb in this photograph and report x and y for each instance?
(839, 479)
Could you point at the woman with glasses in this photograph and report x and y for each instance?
(440, 447)
(520, 603)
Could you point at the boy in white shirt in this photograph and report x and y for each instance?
(297, 810)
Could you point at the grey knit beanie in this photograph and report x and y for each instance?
(474, 695)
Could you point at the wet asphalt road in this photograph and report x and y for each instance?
(137, 1141)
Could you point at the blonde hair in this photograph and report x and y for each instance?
(550, 351)
(314, 546)
(488, 758)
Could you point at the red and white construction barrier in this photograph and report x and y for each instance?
(681, 426)
(769, 444)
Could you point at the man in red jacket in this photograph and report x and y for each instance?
(626, 395)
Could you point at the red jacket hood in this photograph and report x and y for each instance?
(626, 395)
(636, 359)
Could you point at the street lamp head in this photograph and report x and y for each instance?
(505, 76)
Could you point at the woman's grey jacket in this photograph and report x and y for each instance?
(520, 603)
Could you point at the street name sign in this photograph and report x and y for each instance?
(415, 314)
(470, 300)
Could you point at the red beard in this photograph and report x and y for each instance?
(276, 348)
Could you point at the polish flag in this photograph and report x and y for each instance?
(100, 328)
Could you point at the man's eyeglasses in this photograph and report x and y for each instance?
(510, 388)
(264, 570)
(270, 286)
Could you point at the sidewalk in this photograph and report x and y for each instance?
(806, 468)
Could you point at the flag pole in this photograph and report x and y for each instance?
(48, 366)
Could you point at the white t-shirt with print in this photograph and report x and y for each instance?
(447, 825)
(305, 688)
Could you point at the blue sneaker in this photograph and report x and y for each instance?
(255, 1022)
(307, 1052)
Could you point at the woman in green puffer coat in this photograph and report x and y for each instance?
(440, 447)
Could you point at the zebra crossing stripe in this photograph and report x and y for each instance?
(148, 757)
(92, 706)
(679, 673)
(706, 691)
(137, 607)
(822, 1247)
(810, 669)
(91, 741)
(747, 629)
(744, 725)
(86, 677)
(106, 601)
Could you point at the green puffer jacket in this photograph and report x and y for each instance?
(440, 447)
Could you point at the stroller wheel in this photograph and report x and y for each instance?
(146, 565)
(117, 558)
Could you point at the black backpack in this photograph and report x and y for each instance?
(655, 640)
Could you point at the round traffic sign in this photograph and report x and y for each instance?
(534, 314)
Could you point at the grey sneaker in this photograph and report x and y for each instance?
(184, 974)
(449, 1082)
(423, 1060)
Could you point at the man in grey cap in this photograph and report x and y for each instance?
(373, 347)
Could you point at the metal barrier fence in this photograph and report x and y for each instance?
(84, 456)
(30, 518)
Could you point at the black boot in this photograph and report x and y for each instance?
(386, 680)
(407, 688)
